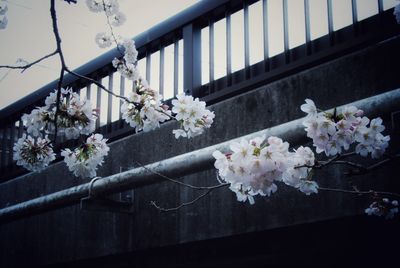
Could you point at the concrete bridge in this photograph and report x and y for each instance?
(288, 228)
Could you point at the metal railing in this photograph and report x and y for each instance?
(184, 35)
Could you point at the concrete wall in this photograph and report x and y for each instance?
(69, 234)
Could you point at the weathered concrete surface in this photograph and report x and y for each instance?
(69, 234)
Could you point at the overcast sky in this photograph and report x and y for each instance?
(29, 35)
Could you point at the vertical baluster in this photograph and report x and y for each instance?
(211, 53)
(98, 104)
(176, 67)
(330, 22)
(20, 128)
(109, 106)
(265, 34)
(4, 149)
(148, 65)
(246, 38)
(162, 61)
(88, 92)
(307, 26)
(228, 47)
(380, 6)
(122, 93)
(11, 145)
(192, 59)
(286, 31)
(354, 11)
(355, 16)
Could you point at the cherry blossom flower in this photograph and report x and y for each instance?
(383, 207)
(332, 133)
(75, 117)
(34, 154)
(103, 40)
(192, 115)
(308, 187)
(309, 108)
(95, 5)
(253, 167)
(3, 22)
(117, 19)
(110, 7)
(144, 110)
(3, 8)
(84, 160)
(396, 13)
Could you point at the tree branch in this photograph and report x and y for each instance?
(111, 29)
(63, 65)
(372, 167)
(99, 85)
(370, 192)
(27, 66)
(161, 209)
(179, 182)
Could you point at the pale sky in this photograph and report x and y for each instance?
(29, 36)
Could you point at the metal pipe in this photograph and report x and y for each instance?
(180, 165)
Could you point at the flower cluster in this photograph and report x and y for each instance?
(192, 115)
(383, 207)
(84, 160)
(298, 174)
(253, 167)
(34, 154)
(333, 133)
(396, 13)
(3, 17)
(127, 65)
(103, 40)
(144, 110)
(110, 7)
(114, 17)
(75, 117)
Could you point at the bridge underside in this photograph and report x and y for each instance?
(356, 241)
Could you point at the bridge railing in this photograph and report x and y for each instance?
(197, 52)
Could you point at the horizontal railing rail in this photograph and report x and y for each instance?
(173, 53)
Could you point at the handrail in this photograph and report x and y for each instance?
(181, 165)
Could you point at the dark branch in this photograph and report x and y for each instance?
(112, 30)
(179, 182)
(63, 65)
(99, 85)
(137, 105)
(161, 209)
(27, 66)
(370, 192)
(364, 170)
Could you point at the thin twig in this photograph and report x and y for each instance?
(27, 66)
(111, 29)
(350, 164)
(359, 192)
(112, 93)
(161, 209)
(179, 182)
(372, 167)
(99, 85)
